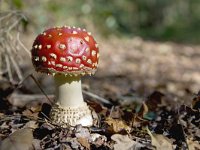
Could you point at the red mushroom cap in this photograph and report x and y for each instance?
(65, 50)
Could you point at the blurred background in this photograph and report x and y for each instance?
(151, 19)
(145, 45)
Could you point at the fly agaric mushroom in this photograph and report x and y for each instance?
(67, 53)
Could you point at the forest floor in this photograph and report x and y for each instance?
(150, 93)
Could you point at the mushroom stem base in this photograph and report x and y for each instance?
(72, 116)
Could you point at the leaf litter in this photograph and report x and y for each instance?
(119, 127)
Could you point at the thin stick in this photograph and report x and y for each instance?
(30, 97)
(1, 63)
(23, 46)
(17, 69)
(38, 84)
(111, 111)
(10, 20)
(96, 97)
(15, 64)
(22, 100)
(9, 69)
(13, 25)
(46, 116)
(6, 16)
(21, 82)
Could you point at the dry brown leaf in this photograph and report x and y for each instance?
(143, 110)
(28, 113)
(160, 141)
(154, 100)
(123, 142)
(116, 125)
(196, 102)
(36, 108)
(19, 140)
(193, 145)
(137, 121)
(31, 124)
(84, 142)
(138, 118)
(36, 144)
(99, 108)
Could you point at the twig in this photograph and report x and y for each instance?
(21, 100)
(38, 84)
(17, 69)
(13, 25)
(9, 117)
(21, 82)
(18, 116)
(111, 111)
(9, 68)
(23, 46)
(9, 20)
(30, 97)
(45, 116)
(96, 97)
(6, 16)
(15, 64)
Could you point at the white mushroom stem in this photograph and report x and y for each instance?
(68, 91)
(70, 107)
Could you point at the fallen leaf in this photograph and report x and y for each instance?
(95, 136)
(123, 142)
(36, 108)
(36, 144)
(154, 100)
(80, 131)
(193, 145)
(139, 118)
(99, 108)
(138, 121)
(19, 140)
(98, 139)
(31, 124)
(116, 112)
(160, 141)
(116, 125)
(74, 143)
(84, 142)
(143, 110)
(29, 114)
(196, 102)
